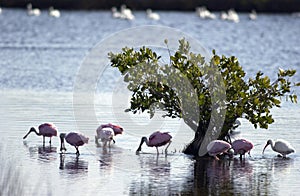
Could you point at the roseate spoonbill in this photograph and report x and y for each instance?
(54, 12)
(156, 139)
(217, 147)
(45, 130)
(106, 134)
(151, 15)
(33, 12)
(73, 138)
(241, 146)
(281, 146)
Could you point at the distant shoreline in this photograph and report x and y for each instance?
(267, 6)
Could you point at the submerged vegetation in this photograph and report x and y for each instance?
(208, 96)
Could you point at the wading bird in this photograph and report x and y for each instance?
(151, 15)
(33, 12)
(74, 139)
(45, 130)
(156, 139)
(241, 146)
(54, 12)
(106, 133)
(217, 147)
(281, 146)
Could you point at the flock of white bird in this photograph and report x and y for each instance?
(36, 12)
(126, 13)
(202, 12)
(230, 15)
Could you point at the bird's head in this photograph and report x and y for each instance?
(144, 139)
(230, 152)
(62, 136)
(268, 143)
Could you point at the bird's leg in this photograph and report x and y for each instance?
(77, 151)
(166, 150)
(249, 154)
(96, 141)
(157, 150)
(241, 156)
(50, 141)
(216, 158)
(44, 141)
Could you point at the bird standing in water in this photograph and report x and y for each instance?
(217, 147)
(45, 130)
(281, 146)
(73, 138)
(156, 139)
(241, 146)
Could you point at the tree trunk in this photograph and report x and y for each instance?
(193, 147)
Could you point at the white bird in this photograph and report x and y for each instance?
(223, 16)
(33, 12)
(0, 10)
(233, 16)
(151, 15)
(115, 13)
(204, 13)
(126, 13)
(54, 12)
(281, 146)
(106, 134)
(253, 15)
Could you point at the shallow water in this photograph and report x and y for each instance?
(39, 59)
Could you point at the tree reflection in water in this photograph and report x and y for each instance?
(207, 176)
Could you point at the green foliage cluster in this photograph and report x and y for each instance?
(163, 86)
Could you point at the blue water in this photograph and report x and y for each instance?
(39, 60)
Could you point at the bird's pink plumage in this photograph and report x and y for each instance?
(48, 129)
(159, 139)
(241, 144)
(76, 139)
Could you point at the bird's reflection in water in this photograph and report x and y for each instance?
(42, 153)
(154, 177)
(105, 158)
(73, 164)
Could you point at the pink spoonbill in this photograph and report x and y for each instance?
(217, 147)
(241, 146)
(45, 130)
(281, 146)
(156, 139)
(74, 139)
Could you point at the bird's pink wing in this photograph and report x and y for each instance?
(242, 144)
(48, 129)
(117, 129)
(217, 147)
(76, 139)
(159, 139)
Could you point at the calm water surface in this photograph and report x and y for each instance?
(39, 60)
